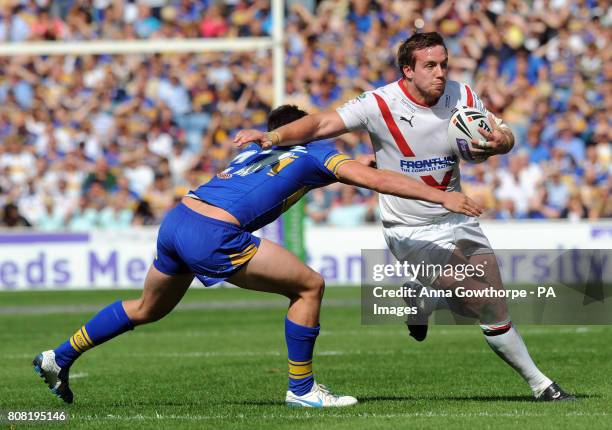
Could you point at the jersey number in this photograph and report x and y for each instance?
(278, 160)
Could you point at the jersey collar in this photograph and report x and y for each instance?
(409, 96)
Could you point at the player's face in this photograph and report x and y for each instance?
(430, 71)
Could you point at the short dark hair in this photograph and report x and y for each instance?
(405, 53)
(284, 115)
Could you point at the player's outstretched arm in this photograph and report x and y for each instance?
(388, 182)
(311, 127)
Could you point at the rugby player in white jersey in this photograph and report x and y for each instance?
(407, 121)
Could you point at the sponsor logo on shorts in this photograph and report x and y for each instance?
(428, 165)
(223, 175)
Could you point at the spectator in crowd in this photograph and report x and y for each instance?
(52, 217)
(84, 217)
(103, 141)
(349, 209)
(143, 215)
(12, 218)
(119, 213)
(319, 202)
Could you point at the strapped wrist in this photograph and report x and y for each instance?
(274, 137)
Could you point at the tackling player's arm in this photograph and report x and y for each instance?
(311, 127)
(388, 182)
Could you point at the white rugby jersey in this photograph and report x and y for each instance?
(411, 139)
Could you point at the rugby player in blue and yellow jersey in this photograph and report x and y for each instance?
(209, 236)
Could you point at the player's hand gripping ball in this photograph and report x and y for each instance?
(463, 128)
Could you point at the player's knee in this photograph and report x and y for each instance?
(320, 286)
(315, 286)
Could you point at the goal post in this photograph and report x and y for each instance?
(178, 46)
(292, 222)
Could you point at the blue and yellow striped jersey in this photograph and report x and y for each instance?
(259, 185)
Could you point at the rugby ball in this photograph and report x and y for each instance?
(462, 128)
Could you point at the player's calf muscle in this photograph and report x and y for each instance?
(160, 295)
(141, 313)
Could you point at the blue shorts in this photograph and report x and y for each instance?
(213, 250)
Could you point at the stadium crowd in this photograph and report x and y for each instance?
(112, 141)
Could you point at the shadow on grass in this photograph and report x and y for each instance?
(466, 398)
(258, 403)
(365, 399)
(447, 398)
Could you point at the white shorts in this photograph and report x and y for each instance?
(434, 243)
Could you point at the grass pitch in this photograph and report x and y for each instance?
(219, 362)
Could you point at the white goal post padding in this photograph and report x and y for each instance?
(119, 47)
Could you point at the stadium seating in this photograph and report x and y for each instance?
(109, 141)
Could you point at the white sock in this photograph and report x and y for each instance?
(506, 341)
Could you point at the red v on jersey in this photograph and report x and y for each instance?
(398, 137)
(433, 163)
(431, 181)
(470, 97)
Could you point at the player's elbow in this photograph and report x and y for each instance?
(354, 173)
(380, 183)
(371, 182)
(376, 182)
